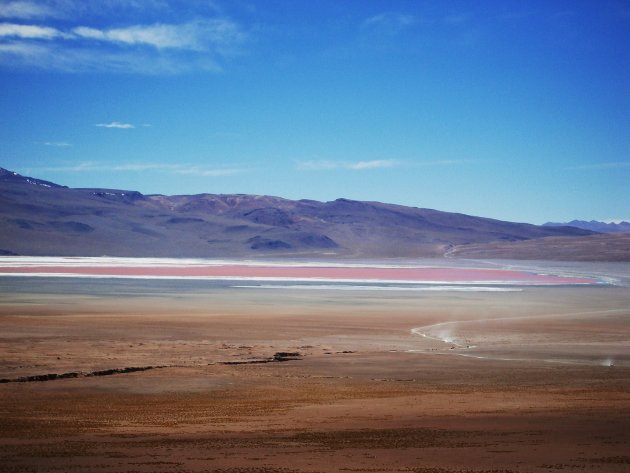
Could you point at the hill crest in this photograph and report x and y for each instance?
(43, 218)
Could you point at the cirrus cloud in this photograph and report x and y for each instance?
(85, 42)
(388, 23)
(119, 125)
(57, 144)
(195, 36)
(325, 165)
(13, 30)
(25, 10)
(182, 169)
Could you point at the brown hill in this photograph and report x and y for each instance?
(602, 247)
(42, 218)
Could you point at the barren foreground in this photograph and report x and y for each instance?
(318, 380)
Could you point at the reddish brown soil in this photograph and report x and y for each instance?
(355, 401)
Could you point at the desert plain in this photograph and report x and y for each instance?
(197, 375)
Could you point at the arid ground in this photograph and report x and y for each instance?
(133, 375)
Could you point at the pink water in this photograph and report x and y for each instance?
(403, 274)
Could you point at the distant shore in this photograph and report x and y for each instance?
(321, 272)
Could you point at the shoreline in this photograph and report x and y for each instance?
(293, 272)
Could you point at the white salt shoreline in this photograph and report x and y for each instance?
(295, 279)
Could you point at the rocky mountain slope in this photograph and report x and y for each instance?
(594, 225)
(599, 247)
(42, 218)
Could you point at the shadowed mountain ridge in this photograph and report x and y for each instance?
(42, 218)
(594, 225)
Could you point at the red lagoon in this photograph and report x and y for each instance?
(353, 273)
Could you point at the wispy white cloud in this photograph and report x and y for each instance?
(383, 33)
(209, 172)
(77, 60)
(25, 10)
(182, 169)
(13, 51)
(115, 125)
(388, 23)
(175, 168)
(57, 144)
(13, 30)
(324, 165)
(328, 165)
(72, 9)
(374, 164)
(95, 46)
(196, 35)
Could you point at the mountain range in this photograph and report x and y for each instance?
(39, 217)
(594, 225)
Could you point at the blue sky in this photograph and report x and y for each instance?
(518, 110)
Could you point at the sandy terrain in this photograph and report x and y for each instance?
(531, 381)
